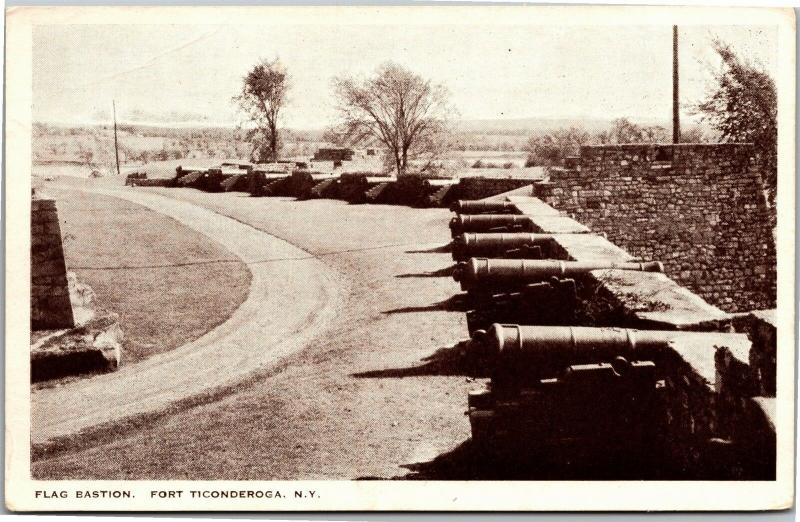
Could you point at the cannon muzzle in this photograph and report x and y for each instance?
(482, 273)
(519, 245)
(483, 207)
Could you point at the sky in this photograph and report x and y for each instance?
(164, 74)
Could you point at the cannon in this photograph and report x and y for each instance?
(180, 170)
(301, 182)
(503, 245)
(435, 183)
(518, 355)
(553, 385)
(211, 180)
(487, 275)
(483, 207)
(490, 223)
(134, 178)
(575, 394)
(262, 184)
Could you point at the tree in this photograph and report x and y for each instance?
(263, 96)
(743, 107)
(551, 147)
(397, 108)
(625, 131)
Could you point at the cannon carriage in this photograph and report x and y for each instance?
(553, 302)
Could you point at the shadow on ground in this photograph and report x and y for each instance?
(444, 272)
(444, 249)
(468, 461)
(457, 303)
(453, 360)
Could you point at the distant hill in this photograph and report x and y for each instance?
(528, 125)
(505, 126)
(146, 143)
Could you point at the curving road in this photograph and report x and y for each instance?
(292, 298)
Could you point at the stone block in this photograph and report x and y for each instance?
(91, 348)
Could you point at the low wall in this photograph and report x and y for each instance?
(51, 307)
(479, 188)
(698, 208)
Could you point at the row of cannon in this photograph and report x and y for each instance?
(300, 183)
(512, 275)
(552, 384)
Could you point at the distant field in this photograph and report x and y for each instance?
(160, 307)
(458, 166)
(60, 169)
(491, 155)
(154, 169)
(161, 149)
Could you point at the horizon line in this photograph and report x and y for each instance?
(230, 125)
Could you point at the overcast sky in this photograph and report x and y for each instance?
(162, 74)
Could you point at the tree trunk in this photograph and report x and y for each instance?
(273, 143)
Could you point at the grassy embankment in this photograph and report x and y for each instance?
(161, 306)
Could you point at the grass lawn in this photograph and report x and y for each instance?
(160, 307)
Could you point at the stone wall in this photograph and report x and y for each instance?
(698, 208)
(50, 301)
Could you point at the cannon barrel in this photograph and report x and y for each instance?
(481, 271)
(483, 207)
(518, 354)
(472, 244)
(435, 183)
(489, 223)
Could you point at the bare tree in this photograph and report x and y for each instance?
(397, 108)
(262, 97)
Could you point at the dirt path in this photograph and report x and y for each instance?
(293, 296)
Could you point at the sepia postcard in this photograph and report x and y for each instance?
(441, 258)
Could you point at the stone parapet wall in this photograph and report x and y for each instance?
(698, 208)
(479, 188)
(714, 414)
(51, 307)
